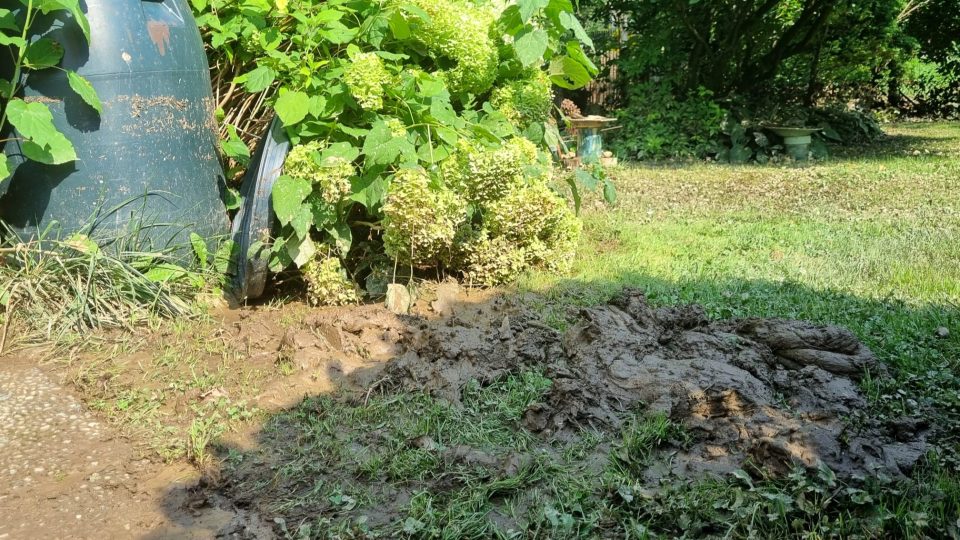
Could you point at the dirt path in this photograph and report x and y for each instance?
(67, 474)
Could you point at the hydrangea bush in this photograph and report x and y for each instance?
(419, 129)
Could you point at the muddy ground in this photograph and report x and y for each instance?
(416, 411)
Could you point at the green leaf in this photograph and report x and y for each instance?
(566, 72)
(301, 251)
(200, 249)
(570, 22)
(288, 196)
(529, 7)
(44, 142)
(164, 272)
(85, 90)
(530, 47)
(43, 53)
(6, 168)
(292, 107)
(575, 191)
(16, 41)
(399, 26)
(588, 180)
(609, 192)
(234, 147)
(232, 199)
(342, 237)
(369, 191)
(382, 148)
(8, 21)
(258, 80)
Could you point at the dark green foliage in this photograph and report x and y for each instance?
(656, 125)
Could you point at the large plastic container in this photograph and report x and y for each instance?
(149, 165)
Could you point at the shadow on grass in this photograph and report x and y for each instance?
(371, 461)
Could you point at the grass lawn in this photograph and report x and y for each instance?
(869, 240)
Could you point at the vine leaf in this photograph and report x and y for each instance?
(85, 90)
(258, 80)
(5, 168)
(529, 7)
(44, 143)
(43, 53)
(292, 107)
(530, 47)
(288, 195)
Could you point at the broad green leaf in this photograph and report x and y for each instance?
(399, 26)
(44, 143)
(200, 249)
(85, 90)
(342, 150)
(16, 41)
(234, 147)
(566, 72)
(163, 272)
(337, 33)
(6, 168)
(232, 199)
(609, 192)
(43, 53)
(8, 21)
(342, 237)
(292, 107)
(301, 251)
(529, 7)
(588, 180)
(258, 80)
(369, 190)
(530, 47)
(570, 22)
(382, 148)
(288, 196)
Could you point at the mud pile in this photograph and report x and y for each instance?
(764, 392)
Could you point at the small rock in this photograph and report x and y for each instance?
(398, 299)
(943, 332)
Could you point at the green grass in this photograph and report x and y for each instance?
(869, 240)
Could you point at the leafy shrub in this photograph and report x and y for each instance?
(656, 125)
(430, 110)
(524, 101)
(846, 126)
(420, 219)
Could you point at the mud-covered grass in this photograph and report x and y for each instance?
(869, 240)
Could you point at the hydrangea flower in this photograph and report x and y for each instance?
(366, 77)
(330, 179)
(483, 174)
(420, 220)
(524, 101)
(327, 282)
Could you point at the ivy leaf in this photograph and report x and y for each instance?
(530, 47)
(529, 7)
(258, 80)
(292, 107)
(43, 53)
(288, 195)
(85, 90)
